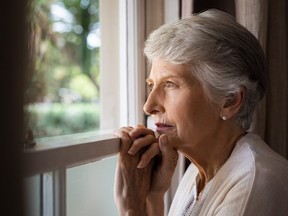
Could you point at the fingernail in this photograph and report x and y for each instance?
(140, 165)
(131, 152)
(131, 134)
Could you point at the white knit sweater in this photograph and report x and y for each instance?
(253, 182)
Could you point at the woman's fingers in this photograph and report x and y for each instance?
(139, 140)
(123, 131)
(169, 154)
(141, 143)
(126, 141)
(148, 155)
(146, 143)
(165, 166)
(139, 131)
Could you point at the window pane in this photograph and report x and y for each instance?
(64, 93)
(32, 195)
(90, 189)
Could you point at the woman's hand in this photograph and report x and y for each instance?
(164, 166)
(133, 172)
(162, 176)
(144, 171)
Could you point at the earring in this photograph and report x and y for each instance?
(224, 118)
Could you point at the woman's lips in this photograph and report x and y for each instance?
(161, 127)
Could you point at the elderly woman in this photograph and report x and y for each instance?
(207, 77)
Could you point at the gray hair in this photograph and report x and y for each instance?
(224, 56)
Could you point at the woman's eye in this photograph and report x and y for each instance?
(150, 86)
(170, 84)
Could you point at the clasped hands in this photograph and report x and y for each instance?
(144, 171)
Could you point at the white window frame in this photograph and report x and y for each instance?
(56, 155)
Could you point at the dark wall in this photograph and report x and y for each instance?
(13, 74)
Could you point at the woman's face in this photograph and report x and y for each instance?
(178, 105)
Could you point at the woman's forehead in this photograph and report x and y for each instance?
(162, 68)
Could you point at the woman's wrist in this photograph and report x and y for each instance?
(132, 212)
(155, 204)
(135, 212)
(132, 209)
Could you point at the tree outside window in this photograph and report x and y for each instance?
(63, 96)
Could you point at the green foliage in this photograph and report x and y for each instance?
(81, 84)
(58, 119)
(63, 50)
(66, 68)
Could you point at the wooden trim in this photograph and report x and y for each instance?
(63, 152)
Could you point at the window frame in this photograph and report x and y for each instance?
(63, 152)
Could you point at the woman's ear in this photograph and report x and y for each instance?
(233, 104)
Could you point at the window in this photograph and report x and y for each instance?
(82, 60)
(65, 173)
(64, 94)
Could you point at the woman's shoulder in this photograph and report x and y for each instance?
(253, 166)
(251, 180)
(268, 176)
(261, 154)
(264, 166)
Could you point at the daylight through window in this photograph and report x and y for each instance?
(64, 93)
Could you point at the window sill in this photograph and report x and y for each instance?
(69, 150)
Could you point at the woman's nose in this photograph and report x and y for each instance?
(154, 103)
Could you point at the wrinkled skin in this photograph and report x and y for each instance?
(135, 183)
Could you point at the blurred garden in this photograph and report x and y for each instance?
(63, 94)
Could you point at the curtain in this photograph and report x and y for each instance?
(268, 21)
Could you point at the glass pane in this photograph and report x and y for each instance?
(90, 189)
(63, 95)
(32, 195)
